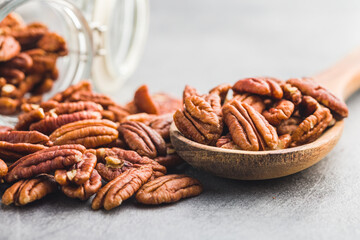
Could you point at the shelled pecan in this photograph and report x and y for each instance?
(261, 86)
(172, 159)
(50, 124)
(118, 160)
(161, 124)
(98, 98)
(142, 139)
(71, 107)
(45, 161)
(80, 172)
(221, 90)
(13, 151)
(90, 133)
(281, 110)
(85, 190)
(167, 189)
(121, 188)
(291, 93)
(198, 121)
(33, 137)
(28, 118)
(227, 143)
(67, 93)
(29, 190)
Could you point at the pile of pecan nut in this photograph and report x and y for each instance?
(28, 55)
(80, 140)
(263, 114)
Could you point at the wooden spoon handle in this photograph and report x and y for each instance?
(342, 79)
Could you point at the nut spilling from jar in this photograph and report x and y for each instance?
(28, 55)
(263, 114)
(79, 139)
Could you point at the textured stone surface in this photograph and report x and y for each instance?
(208, 42)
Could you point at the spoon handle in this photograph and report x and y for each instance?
(342, 79)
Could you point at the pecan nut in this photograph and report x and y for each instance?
(288, 126)
(89, 133)
(199, 121)
(291, 93)
(312, 127)
(253, 100)
(284, 141)
(309, 87)
(262, 86)
(45, 161)
(85, 190)
(71, 107)
(118, 160)
(29, 190)
(227, 143)
(79, 173)
(9, 48)
(28, 118)
(171, 160)
(50, 124)
(52, 42)
(161, 124)
(33, 137)
(248, 128)
(142, 139)
(281, 111)
(221, 90)
(98, 98)
(121, 188)
(168, 189)
(67, 93)
(13, 151)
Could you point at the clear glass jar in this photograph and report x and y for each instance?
(105, 37)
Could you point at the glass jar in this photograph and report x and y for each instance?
(105, 38)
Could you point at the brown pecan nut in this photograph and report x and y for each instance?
(309, 87)
(71, 107)
(288, 126)
(13, 151)
(248, 128)
(50, 124)
(22, 61)
(64, 95)
(89, 133)
(227, 143)
(8, 105)
(3, 169)
(168, 189)
(98, 98)
(308, 106)
(48, 105)
(253, 100)
(142, 139)
(198, 121)
(9, 48)
(284, 141)
(121, 188)
(166, 103)
(33, 137)
(45, 161)
(189, 91)
(28, 118)
(12, 75)
(281, 111)
(139, 117)
(312, 127)
(119, 112)
(52, 42)
(262, 86)
(109, 115)
(29, 35)
(221, 90)
(161, 124)
(80, 172)
(29, 190)
(118, 160)
(291, 93)
(42, 61)
(85, 190)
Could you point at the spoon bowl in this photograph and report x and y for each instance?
(254, 165)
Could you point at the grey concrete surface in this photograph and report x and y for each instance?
(204, 43)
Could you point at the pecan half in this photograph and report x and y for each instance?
(89, 133)
(64, 95)
(262, 86)
(253, 100)
(71, 107)
(166, 103)
(121, 188)
(98, 98)
(85, 190)
(24, 137)
(198, 121)
(119, 112)
(248, 128)
(139, 117)
(13, 151)
(189, 91)
(167, 189)
(52, 42)
(79, 173)
(29, 190)
(284, 141)
(221, 90)
(281, 111)
(28, 118)
(309, 87)
(171, 160)
(142, 139)
(22, 61)
(9, 48)
(291, 93)
(312, 127)
(29, 35)
(227, 142)
(45, 161)
(118, 160)
(50, 124)
(308, 106)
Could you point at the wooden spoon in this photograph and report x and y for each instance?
(343, 79)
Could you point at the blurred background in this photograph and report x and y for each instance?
(207, 42)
